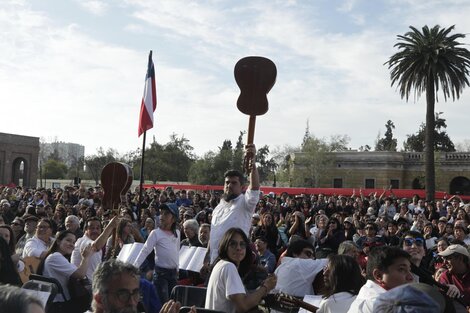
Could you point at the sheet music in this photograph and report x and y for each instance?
(129, 252)
(313, 300)
(43, 296)
(192, 258)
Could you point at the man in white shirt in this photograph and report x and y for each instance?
(298, 269)
(235, 209)
(93, 236)
(387, 267)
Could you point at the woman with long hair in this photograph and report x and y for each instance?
(57, 265)
(268, 230)
(330, 238)
(225, 290)
(340, 292)
(8, 272)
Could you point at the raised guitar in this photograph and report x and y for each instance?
(255, 76)
(116, 179)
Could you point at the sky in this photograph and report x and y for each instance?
(74, 70)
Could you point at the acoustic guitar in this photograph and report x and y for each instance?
(31, 265)
(288, 301)
(116, 179)
(255, 76)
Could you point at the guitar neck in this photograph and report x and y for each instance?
(306, 306)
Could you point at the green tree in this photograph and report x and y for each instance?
(387, 143)
(95, 163)
(425, 62)
(54, 169)
(168, 162)
(442, 141)
(265, 165)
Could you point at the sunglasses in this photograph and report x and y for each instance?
(418, 241)
(234, 244)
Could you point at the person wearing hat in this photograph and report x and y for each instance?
(31, 222)
(165, 241)
(349, 229)
(457, 276)
(235, 209)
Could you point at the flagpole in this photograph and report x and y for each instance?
(148, 105)
(142, 172)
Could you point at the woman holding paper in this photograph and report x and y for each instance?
(225, 290)
(165, 241)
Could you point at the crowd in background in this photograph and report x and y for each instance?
(50, 224)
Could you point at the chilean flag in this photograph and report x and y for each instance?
(149, 99)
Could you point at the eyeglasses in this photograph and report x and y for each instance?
(44, 226)
(233, 244)
(125, 295)
(418, 241)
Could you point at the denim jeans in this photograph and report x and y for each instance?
(164, 280)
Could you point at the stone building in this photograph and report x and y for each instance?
(378, 169)
(18, 159)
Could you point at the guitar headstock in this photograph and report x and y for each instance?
(255, 76)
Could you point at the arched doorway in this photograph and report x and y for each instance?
(20, 174)
(460, 186)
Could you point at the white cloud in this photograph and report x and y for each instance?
(95, 7)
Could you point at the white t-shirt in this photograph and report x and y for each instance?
(57, 266)
(35, 247)
(166, 246)
(364, 302)
(94, 260)
(235, 213)
(223, 282)
(336, 303)
(295, 276)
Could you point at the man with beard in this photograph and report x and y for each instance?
(235, 209)
(116, 290)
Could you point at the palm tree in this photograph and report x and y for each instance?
(427, 61)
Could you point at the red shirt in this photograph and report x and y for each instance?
(461, 281)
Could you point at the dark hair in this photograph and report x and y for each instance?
(413, 234)
(51, 223)
(296, 247)
(245, 264)
(8, 271)
(341, 266)
(12, 242)
(91, 219)
(235, 173)
(54, 248)
(382, 257)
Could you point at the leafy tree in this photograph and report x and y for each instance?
(387, 143)
(442, 142)
(315, 159)
(95, 163)
(364, 148)
(266, 166)
(54, 169)
(425, 62)
(168, 162)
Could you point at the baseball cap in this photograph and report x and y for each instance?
(455, 249)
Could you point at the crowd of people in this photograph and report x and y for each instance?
(350, 249)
